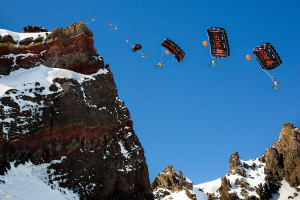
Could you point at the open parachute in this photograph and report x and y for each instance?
(267, 56)
(136, 47)
(219, 46)
(174, 49)
(268, 60)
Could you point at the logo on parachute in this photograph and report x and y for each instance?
(218, 43)
(172, 48)
(265, 56)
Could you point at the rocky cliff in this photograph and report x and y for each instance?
(58, 100)
(283, 158)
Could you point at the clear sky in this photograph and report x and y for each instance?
(189, 115)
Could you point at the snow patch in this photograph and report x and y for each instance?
(30, 182)
(188, 180)
(208, 187)
(42, 74)
(286, 191)
(177, 195)
(124, 152)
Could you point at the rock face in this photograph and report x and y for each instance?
(169, 181)
(82, 119)
(283, 158)
(67, 48)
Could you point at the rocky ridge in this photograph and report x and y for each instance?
(52, 113)
(67, 48)
(275, 173)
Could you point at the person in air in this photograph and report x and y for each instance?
(212, 64)
(159, 65)
(275, 83)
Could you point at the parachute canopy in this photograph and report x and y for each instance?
(174, 49)
(267, 56)
(219, 46)
(136, 47)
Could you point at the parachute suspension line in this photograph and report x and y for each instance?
(168, 62)
(162, 53)
(163, 63)
(271, 77)
(141, 54)
(92, 20)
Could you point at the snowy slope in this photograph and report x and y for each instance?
(30, 182)
(201, 190)
(42, 74)
(285, 192)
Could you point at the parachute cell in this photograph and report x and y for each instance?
(174, 49)
(267, 56)
(136, 47)
(219, 46)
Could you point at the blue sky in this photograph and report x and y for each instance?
(187, 114)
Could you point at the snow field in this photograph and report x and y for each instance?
(30, 182)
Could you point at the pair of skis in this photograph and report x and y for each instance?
(213, 66)
(275, 86)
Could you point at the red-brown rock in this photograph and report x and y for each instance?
(67, 48)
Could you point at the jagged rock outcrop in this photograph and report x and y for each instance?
(169, 181)
(225, 188)
(34, 29)
(77, 116)
(67, 48)
(236, 166)
(283, 158)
